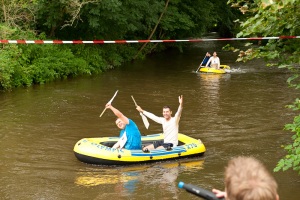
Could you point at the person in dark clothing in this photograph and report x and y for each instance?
(205, 60)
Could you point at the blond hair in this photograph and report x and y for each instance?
(247, 179)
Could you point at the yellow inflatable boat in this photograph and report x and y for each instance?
(223, 69)
(100, 151)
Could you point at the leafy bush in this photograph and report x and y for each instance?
(292, 159)
(24, 65)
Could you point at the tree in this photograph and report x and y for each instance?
(96, 20)
(17, 13)
(154, 29)
(276, 18)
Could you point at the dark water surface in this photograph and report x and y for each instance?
(242, 113)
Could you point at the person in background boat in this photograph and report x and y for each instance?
(206, 59)
(130, 136)
(214, 61)
(246, 178)
(170, 126)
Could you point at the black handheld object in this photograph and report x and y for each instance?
(208, 195)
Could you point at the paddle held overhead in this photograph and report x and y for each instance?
(144, 118)
(110, 101)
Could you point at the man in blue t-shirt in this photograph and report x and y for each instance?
(205, 60)
(130, 136)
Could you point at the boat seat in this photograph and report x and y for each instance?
(144, 143)
(108, 144)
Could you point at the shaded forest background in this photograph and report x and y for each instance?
(24, 65)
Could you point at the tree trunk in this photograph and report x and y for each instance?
(153, 31)
(4, 11)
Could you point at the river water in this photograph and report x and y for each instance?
(242, 113)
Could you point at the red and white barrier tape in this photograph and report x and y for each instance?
(135, 41)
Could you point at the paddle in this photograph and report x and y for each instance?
(201, 63)
(144, 118)
(110, 101)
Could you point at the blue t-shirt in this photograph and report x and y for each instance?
(205, 60)
(133, 135)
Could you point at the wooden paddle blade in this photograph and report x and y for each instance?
(145, 121)
(110, 101)
(113, 97)
(144, 118)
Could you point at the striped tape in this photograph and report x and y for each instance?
(135, 41)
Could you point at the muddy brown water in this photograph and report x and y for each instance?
(242, 113)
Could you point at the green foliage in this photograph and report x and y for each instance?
(17, 13)
(111, 20)
(9, 66)
(102, 58)
(24, 65)
(292, 159)
(276, 18)
(48, 62)
(28, 64)
(7, 32)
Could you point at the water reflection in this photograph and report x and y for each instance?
(211, 82)
(211, 85)
(127, 180)
(108, 175)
